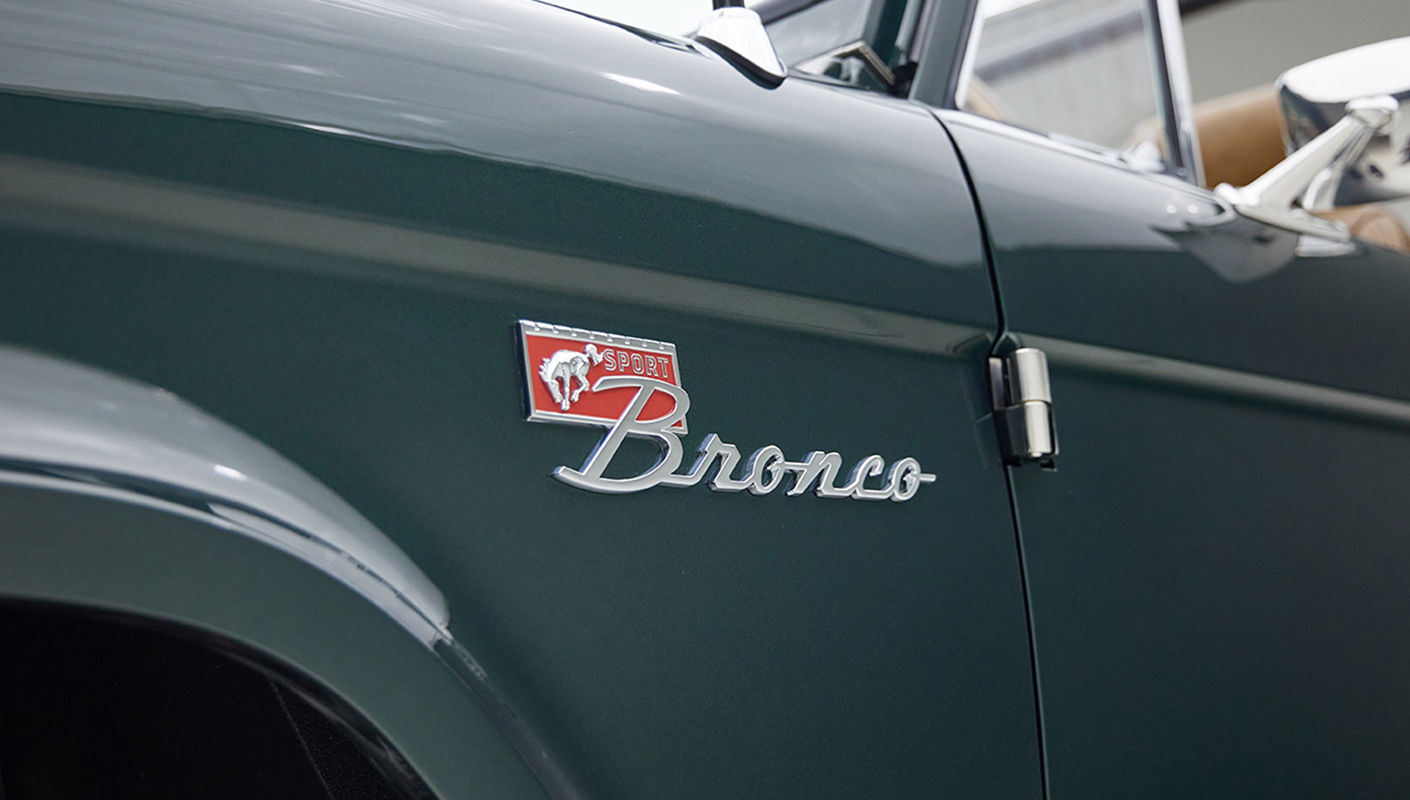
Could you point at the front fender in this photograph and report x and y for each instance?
(80, 424)
(121, 498)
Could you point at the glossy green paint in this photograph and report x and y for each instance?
(331, 252)
(553, 107)
(1093, 252)
(1216, 570)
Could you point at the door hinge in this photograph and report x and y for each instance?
(1023, 407)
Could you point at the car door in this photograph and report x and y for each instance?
(347, 228)
(1216, 568)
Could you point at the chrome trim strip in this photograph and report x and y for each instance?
(1073, 147)
(1167, 39)
(1294, 395)
(43, 195)
(971, 52)
(581, 334)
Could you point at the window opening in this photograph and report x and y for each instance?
(1080, 70)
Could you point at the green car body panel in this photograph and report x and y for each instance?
(1217, 567)
(319, 223)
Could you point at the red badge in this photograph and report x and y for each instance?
(563, 365)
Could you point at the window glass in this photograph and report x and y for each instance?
(816, 30)
(862, 42)
(1077, 68)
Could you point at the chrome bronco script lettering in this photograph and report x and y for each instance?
(715, 462)
(632, 387)
(590, 476)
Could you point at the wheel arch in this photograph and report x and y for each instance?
(120, 499)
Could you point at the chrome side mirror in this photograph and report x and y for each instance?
(737, 35)
(1349, 143)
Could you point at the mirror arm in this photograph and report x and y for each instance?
(1321, 193)
(1307, 180)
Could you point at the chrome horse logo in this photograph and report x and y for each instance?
(565, 365)
(634, 390)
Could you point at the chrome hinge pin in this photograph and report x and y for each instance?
(1023, 407)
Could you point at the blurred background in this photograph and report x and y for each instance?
(1239, 44)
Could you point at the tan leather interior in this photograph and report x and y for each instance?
(1374, 224)
(1241, 137)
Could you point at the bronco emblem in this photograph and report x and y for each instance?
(632, 387)
(563, 364)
